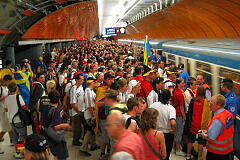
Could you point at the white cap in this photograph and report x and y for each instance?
(132, 84)
(122, 156)
(130, 57)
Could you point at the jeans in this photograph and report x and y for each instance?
(180, 126)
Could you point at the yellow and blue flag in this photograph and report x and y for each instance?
(24, 83)
(146, 50)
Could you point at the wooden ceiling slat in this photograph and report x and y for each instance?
(65, 22)
(5, 31)
(191, 19)
(29, 12)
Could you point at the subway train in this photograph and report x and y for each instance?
(215, 58)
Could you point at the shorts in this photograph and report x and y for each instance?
(192, 137)
(5, 124)
(19, 133)
(59, 150)
(180, 127)
(105, 137)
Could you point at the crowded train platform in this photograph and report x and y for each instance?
(156, 84)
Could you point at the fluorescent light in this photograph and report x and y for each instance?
(129, 10)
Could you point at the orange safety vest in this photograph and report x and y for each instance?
(224, 142)
(204, 86)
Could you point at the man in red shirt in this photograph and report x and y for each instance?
(127, 141)
(138, 74)
(146, 87)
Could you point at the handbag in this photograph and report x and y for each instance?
(56, 136)
(150, 146)
(24, 115)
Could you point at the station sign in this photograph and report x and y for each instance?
(115, 31)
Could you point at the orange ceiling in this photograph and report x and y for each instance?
(191, 19)
(75, 21)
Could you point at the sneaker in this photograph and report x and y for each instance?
(11, 143)
(94, 148)
(85, 153)
(18, 155)
(1, 140)
(103, 157)
(180, 153)
(173, 151)
(1, 152)
(76, 143)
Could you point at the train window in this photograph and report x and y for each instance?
(188, 66)
(171, 59)
(233, 75)
(179, 60)
(205, 70)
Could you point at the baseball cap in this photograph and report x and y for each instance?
(75, 74)
(93, 57)
(91, 79)
(148, 70)
(26, 60)
(108, 75)
(227, 80)
(171, 71)
(35, 143)
(83, 62)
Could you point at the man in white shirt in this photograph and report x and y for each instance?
(161, 69)
(19, 131)
(169, 82)
(89, 137)
(189, 93)
(74, 68)
(53, 54)
(5, 125)
(154, 95)
(78, 106)
(166, 121)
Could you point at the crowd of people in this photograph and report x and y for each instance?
(101, 90)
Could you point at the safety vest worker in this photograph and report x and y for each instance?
(220, 131)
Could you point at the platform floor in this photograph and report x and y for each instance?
(74, 151)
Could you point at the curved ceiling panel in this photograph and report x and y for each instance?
(75, 21)
(190, 19)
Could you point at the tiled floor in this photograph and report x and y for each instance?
(73, 150)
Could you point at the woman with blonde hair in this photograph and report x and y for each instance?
(50, 85)
(153, 140)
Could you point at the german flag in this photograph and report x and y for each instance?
(20, 146)
(199, 114)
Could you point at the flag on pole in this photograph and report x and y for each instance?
(24, 83)
(146, 50)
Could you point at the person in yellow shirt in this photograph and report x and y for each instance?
(8, 70)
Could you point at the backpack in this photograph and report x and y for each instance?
(55, 136)
(24, 114)
(128, 122)
(123, 110)
(1, 91)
